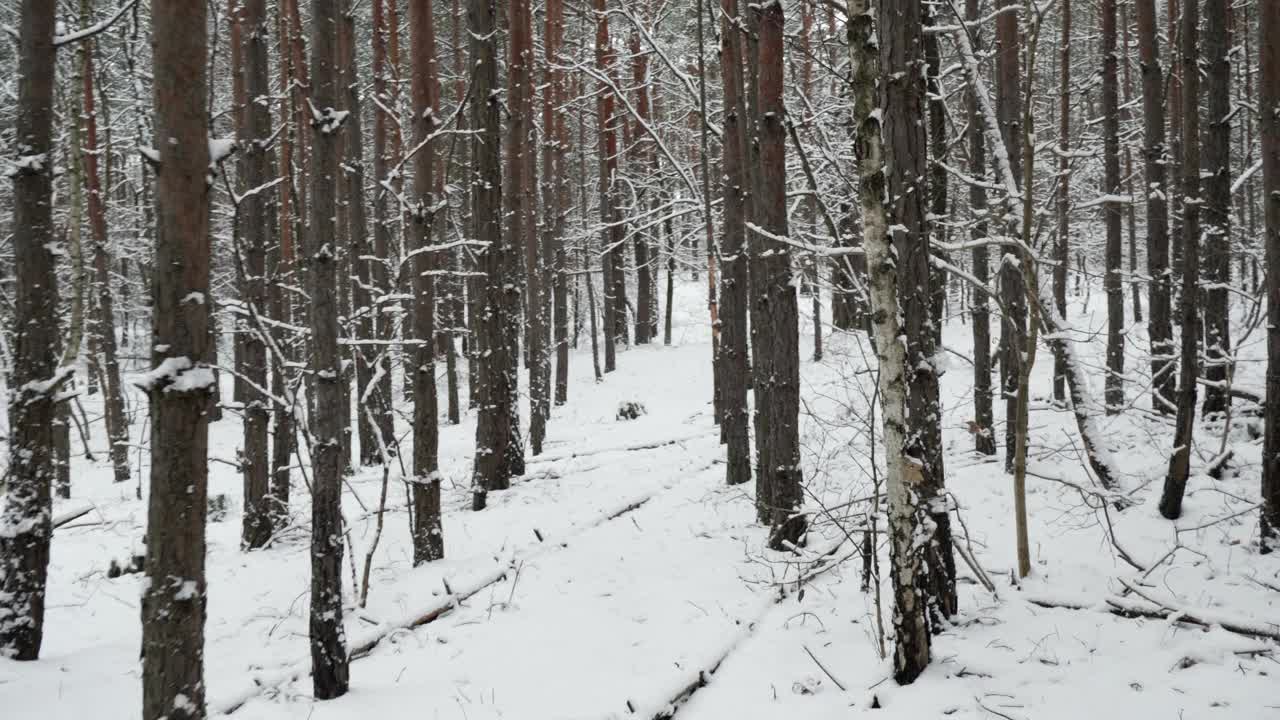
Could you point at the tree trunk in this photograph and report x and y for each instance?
(1111, 210)
(1062, 246)
(902, 474)
(556, 182)
(25, 525)
(1155, 153)
(1012, 293)
(1269, 87)
(105, 325)
(181, 383)
(983, 429)
(776, 333)
(496, 384)
(330, 674)
(1216, 174)
(734, 419)
(1175, 481)
(428, 535)
(253, 131)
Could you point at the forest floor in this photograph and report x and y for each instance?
(620, 572)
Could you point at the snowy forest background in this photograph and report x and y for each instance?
(640, 358)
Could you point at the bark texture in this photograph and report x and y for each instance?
(329, 671)
(25, 526)
(181, 384)
(428, 535)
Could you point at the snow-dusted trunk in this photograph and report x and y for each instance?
(253, 129)
(428, 536)
(328, 641)
(734, 418)
(373, 362)
(25, 526)
(902, 474)
(555, 171)
(1013, 325)
(496, 384)
(611, 237)
(181, 384)
(1175, 481)
(1062, 234)
(775, 332)
(1159, 330)
(1269, 86)
(104, 321)
(1216, 174)
(1111, 210)
(983, 428)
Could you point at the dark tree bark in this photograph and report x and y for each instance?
(105, 323)
(775, 331)
(984, 438)
(884, 177)
(903, 99)
(373, 364)
(1269, 87)
(1175, 481)
(428, 535)
(1216, 174)
(612, 238)
(329, 671)
(1174, 104)
(181, 384)
(1012, 290)
(1062, 245)
(1155, 152)
(253, 132)
(937, 173)
(1111, 212)
(641, 145)
(496, 384)
(734, 422)
(556, 184)
(25, 526)
(282, 260)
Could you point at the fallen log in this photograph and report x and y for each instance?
(364, 643)
(1159, 610)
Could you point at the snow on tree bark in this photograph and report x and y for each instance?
(25, 525)
(902, 473)
(181, 385)
(329, 671)
(428, 535)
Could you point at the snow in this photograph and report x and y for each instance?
(620, 572)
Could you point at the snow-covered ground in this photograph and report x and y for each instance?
(628, 572)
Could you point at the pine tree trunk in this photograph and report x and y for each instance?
(181, 384)
(983, 429)
(903, 99)
(428, 536)
(105, 325)
(612, 234)
(732, 359)
(1012, 292)
(1175, 481)
(776, 337)
(1062, 245)
(902, 475)
(330, 675)
(1216, 173)
(257, 158)
(496, 381)
(1269, 90)
(25, 525)
(1111, 210)
(1155, 152)
(556, 184)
